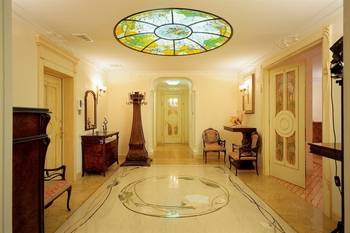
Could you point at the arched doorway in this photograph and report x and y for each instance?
(173, 114)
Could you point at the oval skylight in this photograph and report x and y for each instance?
(173, 31)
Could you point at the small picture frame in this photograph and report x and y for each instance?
(247, 89)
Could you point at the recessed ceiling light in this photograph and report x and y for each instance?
(173, 31)
(172, 82)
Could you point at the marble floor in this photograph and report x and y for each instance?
(297, 217)
(175, 198)
(83, 188)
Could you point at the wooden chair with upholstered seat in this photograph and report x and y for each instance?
(55, 184)
(213, 143)
(244, 153)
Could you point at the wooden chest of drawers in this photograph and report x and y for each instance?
(99, 151)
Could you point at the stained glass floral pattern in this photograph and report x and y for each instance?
(173, 32)
(279, 93)
(279, 147)
(291, 149)
(291, 91)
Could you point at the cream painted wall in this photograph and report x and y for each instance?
(25, 63)
(317, 89)
(25, 79)
(214, 103)
(317, 100)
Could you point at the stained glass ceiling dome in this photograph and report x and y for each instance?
(173, 31)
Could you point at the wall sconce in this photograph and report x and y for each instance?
(243, 88)
(99, 91)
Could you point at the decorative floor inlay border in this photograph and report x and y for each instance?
(180, 196)
(170, 199)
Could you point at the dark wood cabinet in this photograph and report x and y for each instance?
(99, 151)
(30, 143)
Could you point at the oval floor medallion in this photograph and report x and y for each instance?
(285, 123)
(174, 196)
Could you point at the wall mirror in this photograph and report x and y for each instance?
(90, 110)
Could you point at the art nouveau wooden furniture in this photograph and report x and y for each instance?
(328, 150)
(99, 151)
(30, 143)
(248, 152)
(137, 154)
(55, 184)
(213, 143)
(246, 132)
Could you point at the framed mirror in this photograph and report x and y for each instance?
(90, 110)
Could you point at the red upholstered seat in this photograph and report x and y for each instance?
(53, 189)
(55, 184)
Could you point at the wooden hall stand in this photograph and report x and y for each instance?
(137, 154)
(99, 151)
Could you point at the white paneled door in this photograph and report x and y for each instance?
(53, 101)
(172, 118)
(287, 123)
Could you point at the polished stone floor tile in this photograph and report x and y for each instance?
(296, 212)
(175, 198)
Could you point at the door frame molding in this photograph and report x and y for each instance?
(321, 37)
(191, 110)
(59, 63)
(6, 116)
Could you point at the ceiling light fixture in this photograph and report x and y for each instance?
(172, 82)
(173, 31)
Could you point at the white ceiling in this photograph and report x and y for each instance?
(259, 28)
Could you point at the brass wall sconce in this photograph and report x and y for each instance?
(243, 88)
(99, 91)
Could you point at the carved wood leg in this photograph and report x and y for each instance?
(68, 198)
(256, 167)
(224, 157)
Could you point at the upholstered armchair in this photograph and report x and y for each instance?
(244, 153)
(213, 143)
